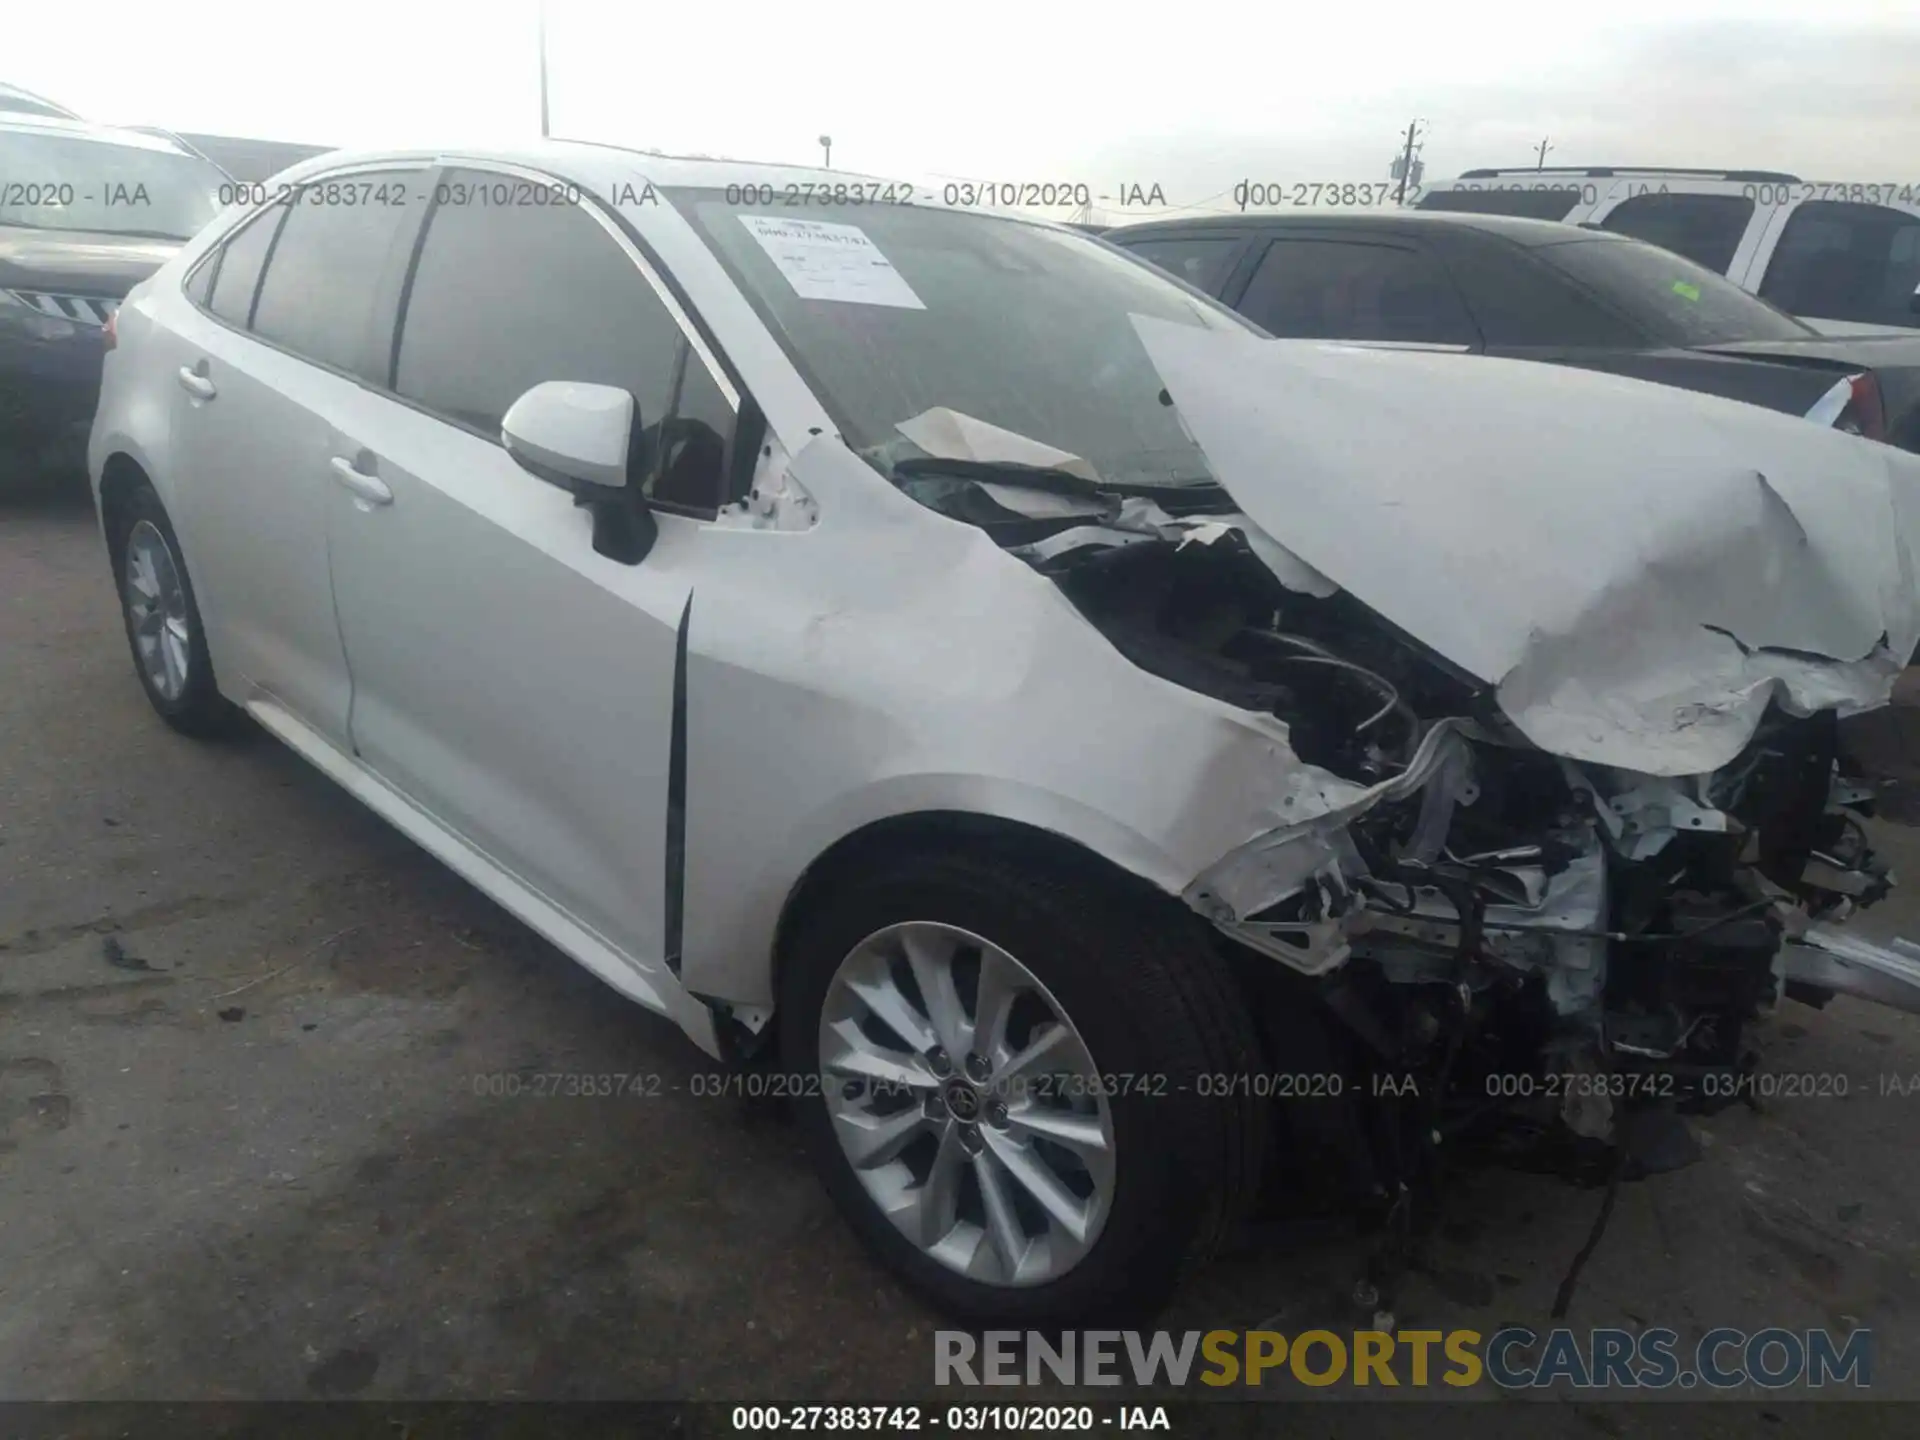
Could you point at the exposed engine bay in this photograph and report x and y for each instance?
(1503, 948)
(1517, 907)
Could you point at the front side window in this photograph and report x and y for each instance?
(1847, 262)
(890, 311)
(1668, 298)
(1339, 290)
(1200, 260)
(1704, 228)
(319, 295)
(506, 297)
(65, 182)
(237, 280)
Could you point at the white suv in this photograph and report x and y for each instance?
(1845, 256)
(809, 609)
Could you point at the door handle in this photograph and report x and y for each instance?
(196, 384)
(370, 488)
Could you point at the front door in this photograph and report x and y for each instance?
(507, 678)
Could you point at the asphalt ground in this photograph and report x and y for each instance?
(255, 1140)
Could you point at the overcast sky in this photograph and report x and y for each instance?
(1191, 96)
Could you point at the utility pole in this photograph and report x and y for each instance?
(1543, 148)
(543, 69)
(826, 148)
(1404, 170)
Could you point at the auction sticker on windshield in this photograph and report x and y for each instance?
(825, 261)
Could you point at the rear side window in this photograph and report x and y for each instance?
(1704, 228)
(200, 283)
(1847, 262)
(240, 261)
(1336, 290)
(319, 294)
(504, 298)
(1200, 260)
(1540, 203)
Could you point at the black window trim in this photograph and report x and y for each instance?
(434, 167)
(285, 205)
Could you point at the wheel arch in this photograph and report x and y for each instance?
(924, 831)
(120, 476)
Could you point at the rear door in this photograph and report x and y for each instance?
(511, 681)
(281, 342)
(1848, 263)
(1323, 285)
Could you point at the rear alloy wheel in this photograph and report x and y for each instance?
(1005, 1079)
(157, 613)
(163, 620)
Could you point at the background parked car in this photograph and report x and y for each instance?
(1538, 290)
(1841, 255)
(15, 100)
(86, 213)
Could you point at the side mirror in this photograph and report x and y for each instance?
(579, 437)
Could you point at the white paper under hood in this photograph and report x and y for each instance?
(1639, 569)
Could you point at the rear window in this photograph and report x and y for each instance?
(1847, 262)
(1673, 300)
(64, 182)
(1200, 260)
(1533, 203)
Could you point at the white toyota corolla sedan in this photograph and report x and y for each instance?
(1077, 745)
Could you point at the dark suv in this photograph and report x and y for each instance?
(86, 213)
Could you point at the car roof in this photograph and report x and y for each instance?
(17, 123)
(597, 166)
(1516, 229)
(1575, 173)
(588, 161)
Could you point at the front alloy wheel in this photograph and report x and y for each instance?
(967, 1103)
(1002, 1062)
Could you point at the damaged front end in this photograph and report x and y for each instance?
(1482, 938)
(1471, 908)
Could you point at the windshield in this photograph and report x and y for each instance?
(1674, 300)
(891, 310)
(64, 182)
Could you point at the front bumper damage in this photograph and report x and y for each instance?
(1570, 810)
(1830, 960)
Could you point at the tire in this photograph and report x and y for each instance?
(194, 706)
(1138, 979)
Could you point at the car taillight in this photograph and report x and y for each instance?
(1865, 413)
(111, 330)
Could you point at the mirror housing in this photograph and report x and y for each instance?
(571, 434)
(580, 437)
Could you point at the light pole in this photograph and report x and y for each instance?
(826, 149)
(543, 69)
(1542, 148)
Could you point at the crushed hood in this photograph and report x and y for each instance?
(1638, 570)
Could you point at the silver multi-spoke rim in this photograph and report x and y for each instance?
(967, 1104)
(157, 611)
